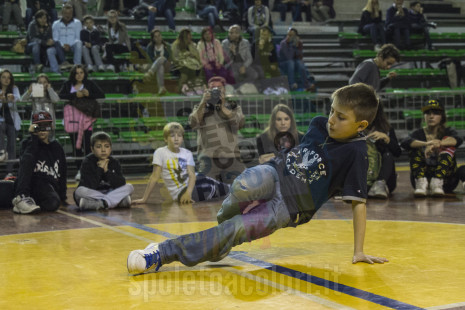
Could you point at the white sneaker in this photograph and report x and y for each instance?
(125, 203)
(101, 68)
(421, 185)
(89, 204)
(140, 261)
(24, 205)
(379, 190)
(377, 47)
(435, 186)
(111, 68)
(77, 177)
(90, 68)
(3, 155)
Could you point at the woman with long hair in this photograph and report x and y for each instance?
(79, 88)
(212, 56)
(281, 133)
(371, 23)
(9, 117)
(385, 147)
(432, 153)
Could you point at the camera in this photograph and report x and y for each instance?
(215, 99)
(38, 128)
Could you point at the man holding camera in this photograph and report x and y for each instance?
(218, 121)
(42, 170)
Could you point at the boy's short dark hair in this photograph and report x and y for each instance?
(389, 50)
(87, 17)
(361, 98)
(99, 136)
(172, 127)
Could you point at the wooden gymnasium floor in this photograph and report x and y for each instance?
(70, 260)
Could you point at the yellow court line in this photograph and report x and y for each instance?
(288, 289)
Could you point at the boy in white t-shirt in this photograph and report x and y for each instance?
(176, 166)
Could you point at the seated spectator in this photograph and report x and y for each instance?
(212, 56)
(229, 8)
(39, 38)
(239, 56)
(419, 24)
(281, 133)
(159, 52)
(383, 148)
(9, 118)
(118, 41)
(160, 8)
(302, 6)
(41, 181)
(432, 154)
(66, 31)
(368, 71)
(398, 24)
(291, 59)
(206, 10)
(265, 56)
(92, 45)
(12, 6)
(33, 6)
(175, 165)
(371, 23)
(44, 100)
(187, 60)
(258, 16)
(322, 10)
(102, 185)
(81, 92)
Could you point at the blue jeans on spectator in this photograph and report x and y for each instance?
(76, 48)
(35, 49)
(423, 29)
(226, 5)
(167, 12)
(297, 12)
(256, 183)
(56, 56)
(376, 32)
(396, 33)
(291, 68)
(210, 13)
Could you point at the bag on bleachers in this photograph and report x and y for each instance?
(6, 194)
(19, 46)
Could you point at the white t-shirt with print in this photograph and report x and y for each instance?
(174, 168)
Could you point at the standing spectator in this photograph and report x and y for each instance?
(281, 133)
(371, 23)
(9, 117)
(418, 23)
(161, 8)
(92, 44)
(45, 101)
(322, 10)
(14, 6)
(39, 40)
(212, 56)
(368, 71)
(79, 7)
(217, 122)
(66, 31)
(238, 55)
(118, 40)
(258, 16)
(79, 88)
(42, 170)
(382, 141)
(398, 24)
(33, 6)
(432, 154)
(264, 54)
(159, 52)
(186, 59)
(291, 58)
(206, 10)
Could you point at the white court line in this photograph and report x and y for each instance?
(247, 275)
(456, 306)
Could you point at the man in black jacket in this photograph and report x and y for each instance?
(42, 170)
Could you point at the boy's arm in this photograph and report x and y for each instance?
(187, 196)
(359, 215)
(152, 181)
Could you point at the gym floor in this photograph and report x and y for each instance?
(72, 260)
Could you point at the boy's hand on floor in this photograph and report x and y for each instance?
(361, 257)
(138, 201)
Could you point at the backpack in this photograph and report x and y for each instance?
(374, 163)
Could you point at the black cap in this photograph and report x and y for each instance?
(432, 104)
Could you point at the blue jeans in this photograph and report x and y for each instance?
(34, 49)
(210, 13)
(293, 66)
(56, 56)
(234, 228)
(168, 13)
(376, 32)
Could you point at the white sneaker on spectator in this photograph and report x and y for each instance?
(421, 185)
(24, 205)
(77, 178)
(101, 68)
(435, 186)
(111, 68)
(3, 155)
(90, 68)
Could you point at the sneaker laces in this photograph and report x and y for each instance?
(152, 259)
(28, 200)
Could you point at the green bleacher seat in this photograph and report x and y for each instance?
(154, 121)
(250, 132)
(135, 136)
(412, 114)
(124, 122)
